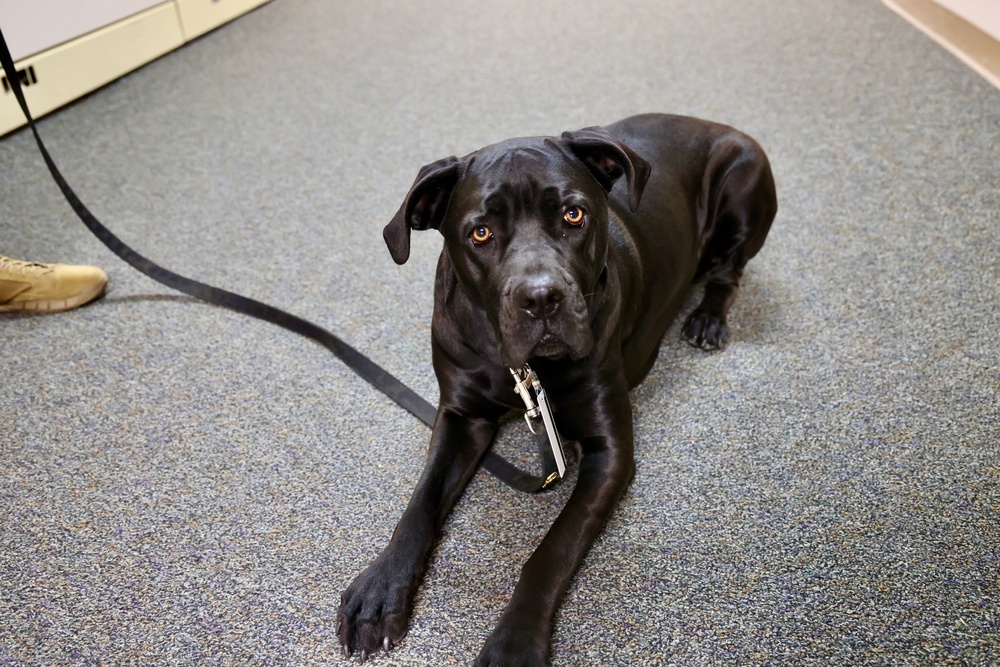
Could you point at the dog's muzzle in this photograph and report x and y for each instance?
(543, 316)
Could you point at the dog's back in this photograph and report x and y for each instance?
(705, 211)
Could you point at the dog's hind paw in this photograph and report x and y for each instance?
(705, 330)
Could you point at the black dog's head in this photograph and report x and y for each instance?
(525, 224)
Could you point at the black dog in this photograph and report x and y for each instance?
(546, 260)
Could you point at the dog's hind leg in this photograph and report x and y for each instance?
(736, 206)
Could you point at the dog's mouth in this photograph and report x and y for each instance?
(550, 347)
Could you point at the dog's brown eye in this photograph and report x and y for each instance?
(574, 216)
(481, 235)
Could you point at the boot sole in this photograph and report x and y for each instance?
(56, 305)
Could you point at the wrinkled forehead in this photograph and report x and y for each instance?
(524, 166)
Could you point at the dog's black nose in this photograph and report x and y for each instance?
(540, 299)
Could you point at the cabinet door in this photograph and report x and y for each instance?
(62, 73)
(32, 26)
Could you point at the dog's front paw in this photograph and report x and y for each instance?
(512, 646)
(374, 610)
(706, 330)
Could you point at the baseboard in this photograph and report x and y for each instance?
(57, 76)
(975, 48)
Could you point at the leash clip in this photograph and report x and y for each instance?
(537, 405)
(523, 381)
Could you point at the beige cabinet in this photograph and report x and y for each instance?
(64, 49)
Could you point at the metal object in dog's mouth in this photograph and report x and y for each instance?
(536, 404)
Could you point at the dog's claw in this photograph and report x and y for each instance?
(347, 652)
(386, 644)
(364, 656)
(706, 331)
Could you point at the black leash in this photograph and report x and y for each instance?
(359, 363)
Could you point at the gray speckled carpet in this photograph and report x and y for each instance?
(183, 485)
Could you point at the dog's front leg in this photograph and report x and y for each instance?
(521, 636)
(375, 608)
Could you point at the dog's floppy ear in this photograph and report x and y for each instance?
(608, 159)
(424, 206)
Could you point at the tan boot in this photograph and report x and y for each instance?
(47, 287)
